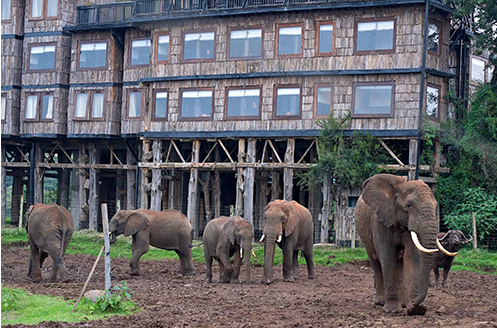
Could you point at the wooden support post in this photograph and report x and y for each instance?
(131, 178)
(326, 210)
(193, 189)
(75, 201)
(38, 192)
(475, 239)
(172, 190)
(216, 187)
(155, 191)
(17, 193)
(105, 228)
(83, 201)
(248, 191)
(64, 182)
(275, 185)
(92, 197)
(287, 172)
(4, 189)
(413, 153)
(144, 175)
(240, 183)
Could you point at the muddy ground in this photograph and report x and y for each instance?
(341, 296)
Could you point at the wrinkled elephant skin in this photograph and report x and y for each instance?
(50, 228)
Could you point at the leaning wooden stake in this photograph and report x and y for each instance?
(475, 243)
(105, 223)
(88, 279)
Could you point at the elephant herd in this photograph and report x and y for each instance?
(396, 220)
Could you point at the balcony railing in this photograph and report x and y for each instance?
(123, 12)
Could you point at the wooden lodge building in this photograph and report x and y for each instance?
(210, 106)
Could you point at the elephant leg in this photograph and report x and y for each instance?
(388, 262)
(139, 246)
(43, 256)
(379, 298)
(186, 261)
(208, 269)
(221, 268)
(309, 259)
(237, 263)
(445, 274)
(295, 260)
(287, 262)
(34, 270)
(227, 268)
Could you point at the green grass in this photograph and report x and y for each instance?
(19, 306)
(481, 261)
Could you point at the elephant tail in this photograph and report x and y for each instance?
(62, 242)
(191, 246)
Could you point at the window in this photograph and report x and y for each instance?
(477, 69)
(136, 100)
(324, 38)
(89, 105)
(6, 10)
(160, 112)
(432, 100)
(433, 38)
(352, 201)
(196, 104)
(199, 46)
(93, 55)
(39, 106)
(42, 57)
(246, 43)
(373, 99)
(376, 36)
(44, 9)
(140, 52)
(287, 102)
(323, 100)
(163, 48)
(4, 106)
(243, 103)
(289, 40)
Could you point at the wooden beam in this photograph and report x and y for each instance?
(156, 192)
(193, 190)
(226, 151)
(390, 152)
(93, 197)
(287, 171)
(131, 180)
(248, 191)
(275, 152)
(240, 181)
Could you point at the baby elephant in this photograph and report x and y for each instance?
(50, 228)
(224, 237)
(451, 241)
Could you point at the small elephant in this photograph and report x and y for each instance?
(451, 241)
(50, 228)
(224, 237)
(169, 230)
(390, 215)
(290, 225)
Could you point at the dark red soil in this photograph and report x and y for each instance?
(341, 296)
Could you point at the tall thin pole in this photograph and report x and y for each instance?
(105, 224)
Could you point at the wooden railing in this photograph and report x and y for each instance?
(123, 12)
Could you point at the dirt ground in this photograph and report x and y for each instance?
(341, 296)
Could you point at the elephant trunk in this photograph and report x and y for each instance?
(246, 259)
(269, 247)
(112, 237)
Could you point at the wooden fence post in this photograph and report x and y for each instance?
(105, 224)
(475, 242)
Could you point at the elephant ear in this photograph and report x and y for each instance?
(380, 193)
(293, 217)
(136, 222)
(229, 230)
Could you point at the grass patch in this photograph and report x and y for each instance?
(21, 307)
(481, 261)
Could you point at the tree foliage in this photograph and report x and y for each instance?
(346, 161)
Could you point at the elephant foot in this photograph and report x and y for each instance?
(266, 281)
(392, 307)
(417, 310)
(134, 273)
(289, 279)
(189, 272)
(379, 300)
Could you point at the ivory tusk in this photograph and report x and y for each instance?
(241, 253)
(418, 245)
(262, 238)
(446, 252)
(253, 253)
(279, 239)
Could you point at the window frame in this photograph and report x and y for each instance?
(3, 119)
(316, 50)
(277, 47)
(244, 28)
(10, 14)
(370, 20)
(485, 70)
(154, 103)
(43, 11)
(193, 60)
(242, 118)
(156, 57)
(434, 86)
(131, 52)
(31, 46)
(275, 101)
(439, 24)
(78, 54)
(180, 105)
(362, 84)
(315, 107)
(89, 106)
(39, 106)
(142, 103)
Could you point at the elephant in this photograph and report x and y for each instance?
(451, 241)
(224, 237)
(290, 225)
(50, 228)
(169, 230)
(390, 215)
